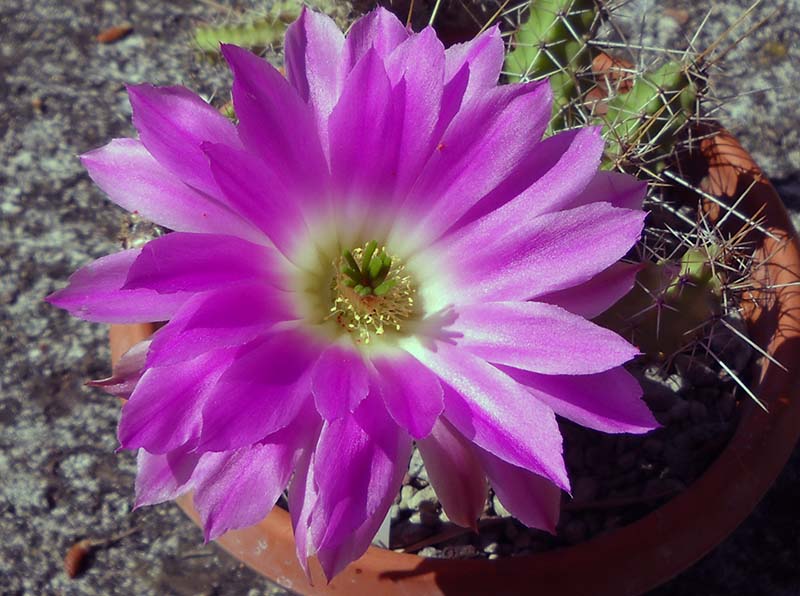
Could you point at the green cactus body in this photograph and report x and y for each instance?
(644, 121)
(552, 43)
(670, 305)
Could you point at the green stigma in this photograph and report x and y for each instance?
(372, 292)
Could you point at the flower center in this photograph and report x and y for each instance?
(372, 292)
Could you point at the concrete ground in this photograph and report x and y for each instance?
(61, 93)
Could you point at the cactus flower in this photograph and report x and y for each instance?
(382, 250)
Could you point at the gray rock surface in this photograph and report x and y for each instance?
(61, 94)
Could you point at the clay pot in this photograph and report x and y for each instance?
(650, 551)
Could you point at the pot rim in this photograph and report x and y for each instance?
(645, 553)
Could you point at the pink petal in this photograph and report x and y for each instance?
(539, 337)
(256, 191)
(416, 70)
(494, 411)
(302, 497)
(524, 258)
(363, 128)
(95, 293)
(483, 57)
(559, 172)
(533, 500)
(359, 459)
(184, 262)
(164, 411)
(609, 401)
(242, 490)
(274, 121)
(173, 123)
(163, 477)
(597, 295)
(125, 373)
(455, 474)
(230, 316)
(621, 190)
(412, 393)
(379, 30)
(484, 147)
(313, 49)
(135, 181)
(267, 385)
(339, 381)
(334, 558)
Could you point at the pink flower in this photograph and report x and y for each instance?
(381, 251)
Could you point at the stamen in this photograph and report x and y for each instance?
(371, 292)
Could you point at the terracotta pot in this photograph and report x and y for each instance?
(650, 551)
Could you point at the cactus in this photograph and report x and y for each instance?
(646, 120)
(552, 43)
(671, 303)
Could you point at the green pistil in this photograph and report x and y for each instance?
(368, 277)
(371, 292)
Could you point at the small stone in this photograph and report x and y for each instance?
(498, 508)
(491, 548)
(430, 552)
(695, 370)
(663, 486)
(510, 530)
(395, 512)
(425, 494)
(416, 468)
(626, 461)
(652, 447)
(698, 411)
(408, 532)
(406, 493)
(585, 488)
(575, 531)
(726, 404)
(523, 540)
(679, 411)
(574, 458)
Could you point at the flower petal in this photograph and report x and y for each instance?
(525, 258)
(494, 411)
(135, 181)
(484, 146)
(313, 49)
(242, 490)
(184, 262)
(412, 393)
(173, 123)
(362, 128)
(609, 401)
(483, 56)
(539, 337)
(621, 190)
(597, 295)
(164, 411)
(230, 316)
(416, 72)
(163, 477)
(125, 373)
(533, 500)
(379, 30)
(339, 380)
(256, 191)
(376, 452)
(274, 121)
(455, 474)
(95, 293)
(267, 385)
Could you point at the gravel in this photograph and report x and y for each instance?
(62, 94)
